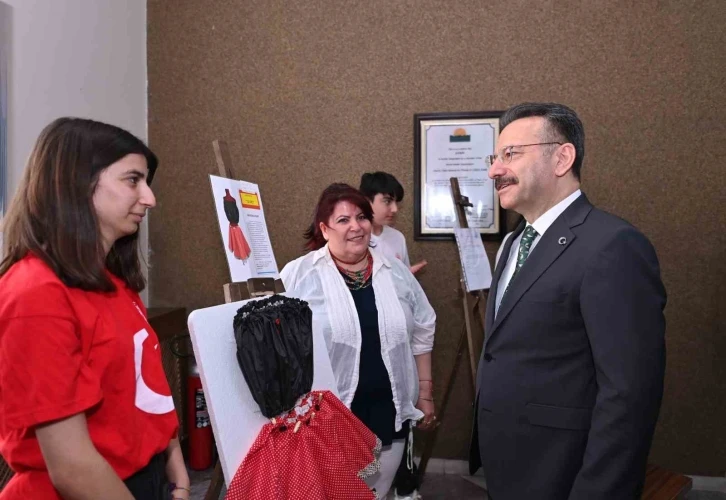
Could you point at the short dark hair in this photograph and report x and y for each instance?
(563, 124)
(52, 214)
(331, 196)
(380, 182)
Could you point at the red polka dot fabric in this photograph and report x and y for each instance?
(317, 451)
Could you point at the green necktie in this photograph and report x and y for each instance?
(525, 245)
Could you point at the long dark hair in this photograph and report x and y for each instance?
(52, 214)
(331, 196)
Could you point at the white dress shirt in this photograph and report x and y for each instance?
(540, 225)
(406, 322)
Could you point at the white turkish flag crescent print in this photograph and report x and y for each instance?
(146, 399)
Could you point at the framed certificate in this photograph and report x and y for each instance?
(450, 145)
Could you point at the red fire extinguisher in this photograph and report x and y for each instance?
(200, 429)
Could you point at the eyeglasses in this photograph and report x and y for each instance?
(505, 155)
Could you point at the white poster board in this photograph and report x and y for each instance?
(242, 223)
(474, 261)
(235, 416)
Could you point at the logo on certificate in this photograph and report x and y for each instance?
(460, 135)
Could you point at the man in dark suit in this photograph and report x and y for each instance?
(570, 380)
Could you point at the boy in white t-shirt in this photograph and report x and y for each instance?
(385, 193)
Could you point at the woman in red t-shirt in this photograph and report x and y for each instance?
(85, 409)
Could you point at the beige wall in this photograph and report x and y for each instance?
(307, 93)
(74, 58)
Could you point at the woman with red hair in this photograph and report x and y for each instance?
(376, 320)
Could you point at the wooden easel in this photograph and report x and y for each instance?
(471, 302)
(233, 292)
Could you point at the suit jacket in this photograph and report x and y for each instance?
(570, 380)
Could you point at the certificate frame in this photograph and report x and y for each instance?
(434, 214)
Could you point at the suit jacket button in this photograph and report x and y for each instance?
(487, 357)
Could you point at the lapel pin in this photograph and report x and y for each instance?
(562, 240)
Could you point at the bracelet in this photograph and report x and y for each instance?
(424, 399)
(173, 487)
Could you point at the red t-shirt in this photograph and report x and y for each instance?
(64, 351)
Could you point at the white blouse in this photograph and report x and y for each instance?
(406, 322)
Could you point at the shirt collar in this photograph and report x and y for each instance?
(545, 220)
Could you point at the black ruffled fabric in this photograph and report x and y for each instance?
(275, 351)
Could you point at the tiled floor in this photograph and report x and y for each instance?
(200, 482)
(435, 487)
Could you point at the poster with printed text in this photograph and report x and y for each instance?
(242, 224)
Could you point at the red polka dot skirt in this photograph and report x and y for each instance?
(317, 451)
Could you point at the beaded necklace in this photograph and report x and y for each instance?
(356, 280)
